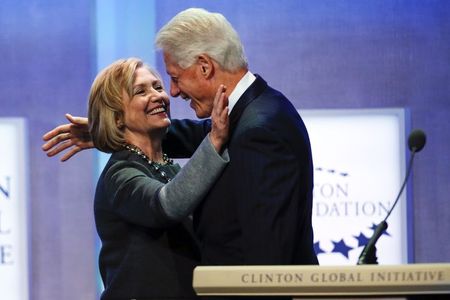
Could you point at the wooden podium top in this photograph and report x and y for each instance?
(362, 280)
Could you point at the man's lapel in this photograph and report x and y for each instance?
(254, 90)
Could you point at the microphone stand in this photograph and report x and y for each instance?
(368, 255)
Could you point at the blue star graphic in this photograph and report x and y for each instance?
(362, 239)
(374, 226)
(341, 247)
(317, 248)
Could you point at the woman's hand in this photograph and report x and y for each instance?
(219, 119)
(74, 135)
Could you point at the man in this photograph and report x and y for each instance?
(259, 210)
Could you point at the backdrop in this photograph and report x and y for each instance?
(320, 53)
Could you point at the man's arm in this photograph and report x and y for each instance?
(181, 141)
(74, 135)
(184, 137)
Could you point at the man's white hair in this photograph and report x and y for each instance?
(196, 31)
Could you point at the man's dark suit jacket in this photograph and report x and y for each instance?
(259, 210)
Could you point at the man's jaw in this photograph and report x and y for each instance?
(192, 105)
(185, 97)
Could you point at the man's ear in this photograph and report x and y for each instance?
(206, 65)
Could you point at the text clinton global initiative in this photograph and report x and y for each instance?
(292, 278)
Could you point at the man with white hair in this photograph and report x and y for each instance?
(259, 210)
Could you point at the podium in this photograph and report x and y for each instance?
(323, 281)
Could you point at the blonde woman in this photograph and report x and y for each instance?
(143, 199)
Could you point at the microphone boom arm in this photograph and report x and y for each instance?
(368, 255)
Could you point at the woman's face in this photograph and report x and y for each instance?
(147, 111)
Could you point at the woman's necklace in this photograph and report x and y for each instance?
(155, 166)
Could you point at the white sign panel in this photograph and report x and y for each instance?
(359, 167)
(13, 210)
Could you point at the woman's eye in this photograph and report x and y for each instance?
(159, 88)
(139, 92)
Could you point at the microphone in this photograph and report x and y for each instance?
(416, 142)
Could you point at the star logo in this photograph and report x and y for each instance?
(362, 239)
(341, 247)
(317, 248)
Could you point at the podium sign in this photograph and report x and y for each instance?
(331, 281)
(13, 210)
(359, 167)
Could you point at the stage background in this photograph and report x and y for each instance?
(320, 53)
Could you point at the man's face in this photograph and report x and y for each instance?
(189, 84)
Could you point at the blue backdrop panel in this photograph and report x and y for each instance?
(46, 58)
(321, 54)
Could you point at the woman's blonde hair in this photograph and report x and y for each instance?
(106, 98)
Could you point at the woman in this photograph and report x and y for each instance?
(148, 250)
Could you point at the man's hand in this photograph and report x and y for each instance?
(219, 119)
(74, 135)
